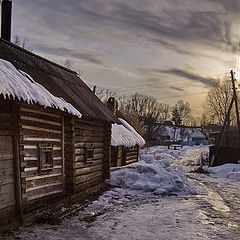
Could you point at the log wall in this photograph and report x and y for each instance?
(7, 183)
(40, 126)
(87, 144)
(131, 154)
(121, 156)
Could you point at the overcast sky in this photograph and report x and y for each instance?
(169, 49)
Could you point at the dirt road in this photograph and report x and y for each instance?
(213, 213)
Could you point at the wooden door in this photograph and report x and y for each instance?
(7, 188)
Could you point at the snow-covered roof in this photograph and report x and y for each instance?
(125, 135)
(197, 134)
(139, 139)
(21, 86)
(179, 133)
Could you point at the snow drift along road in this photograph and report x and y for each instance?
(155, 174)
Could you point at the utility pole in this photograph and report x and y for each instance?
(234, 100)
(237, 110)
(94, 89)
(221, 134)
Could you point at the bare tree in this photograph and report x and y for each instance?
(217, 102)
(164, 110)
(104, 94)
(68, 63)
(146, 109)
(144, 106)
(181, 113)
(22, 42)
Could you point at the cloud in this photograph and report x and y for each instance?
(145, 43)
(188, 75)
(198, 26)
(177, 89)
(65, 52)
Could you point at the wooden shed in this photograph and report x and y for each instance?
(125, 140)
(51, 148)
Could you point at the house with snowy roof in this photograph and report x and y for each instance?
(184, 135)
(55, 134)
(125, 140)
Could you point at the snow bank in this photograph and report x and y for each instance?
(125, 135)
(229, 170)
(21, 86)
(153, 174)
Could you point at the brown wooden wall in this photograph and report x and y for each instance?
(7, 183)
(131, 154)
(82, 135)
(40, 126)
(121, 156)
(24, 184)
(118, 156)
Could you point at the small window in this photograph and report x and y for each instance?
(88, 154)
(45, 156)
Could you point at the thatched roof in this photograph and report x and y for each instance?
(58, 80)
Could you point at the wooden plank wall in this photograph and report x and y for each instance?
(117, 156)
(131, 154)
(121, 156)
(114, 154)
(89, 134)
(40, 125)
(69, 141)
(7, 184)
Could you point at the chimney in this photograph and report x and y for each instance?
(6, 19)
(112, 105)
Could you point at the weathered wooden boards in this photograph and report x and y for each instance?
(46, 155)
(131, 154)
(89, 153)
(40, 132)
(7, 187)
(121, 156)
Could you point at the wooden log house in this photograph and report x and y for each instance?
(48, 152)
(125, 140)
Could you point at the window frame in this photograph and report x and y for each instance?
(88, 155)
(45, 148)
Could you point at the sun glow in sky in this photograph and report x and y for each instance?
(169, 49)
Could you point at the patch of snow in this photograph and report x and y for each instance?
(197, 134)
(229, 170)
(21, 86)
(153, 174)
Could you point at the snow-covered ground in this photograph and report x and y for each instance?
(197, 206)
(230, 171)
(155, 173)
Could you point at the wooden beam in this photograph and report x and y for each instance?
(17, 164)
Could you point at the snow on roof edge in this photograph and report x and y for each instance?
(140, 140)
(21, 86)
(125, 135)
